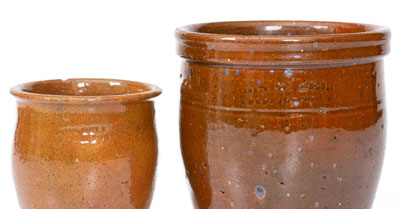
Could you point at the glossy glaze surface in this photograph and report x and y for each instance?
(85, 143)
(261, 128)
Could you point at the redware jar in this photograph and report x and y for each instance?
(283, 114)
(85, 143)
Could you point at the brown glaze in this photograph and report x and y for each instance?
(281, 114)
(85, 143)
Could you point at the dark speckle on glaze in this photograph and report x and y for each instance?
(237, 72)
(260, 192)
(227, 72)
(288, 73)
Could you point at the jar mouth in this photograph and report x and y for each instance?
(85, 90)
(281, 42)
(280, 29)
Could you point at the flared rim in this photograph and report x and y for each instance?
(85, 90)
(278, 42)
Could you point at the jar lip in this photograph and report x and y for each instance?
(252, 40)
(85, 90)
(193, 30)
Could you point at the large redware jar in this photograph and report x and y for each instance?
(85, 144)
(283, 114)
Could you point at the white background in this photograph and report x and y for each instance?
(135, 40)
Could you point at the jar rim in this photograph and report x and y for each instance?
(282, 42)
(85, 90)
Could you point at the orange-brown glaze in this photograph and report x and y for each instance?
(85, 143)
(293, 117)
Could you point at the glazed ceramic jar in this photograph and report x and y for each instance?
(281, 114)
(85, 143)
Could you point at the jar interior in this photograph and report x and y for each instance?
(85, 87)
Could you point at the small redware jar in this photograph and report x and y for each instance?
(283, 114)
(85, 143)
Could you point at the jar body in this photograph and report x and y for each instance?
(84, 155)
(283, 137)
